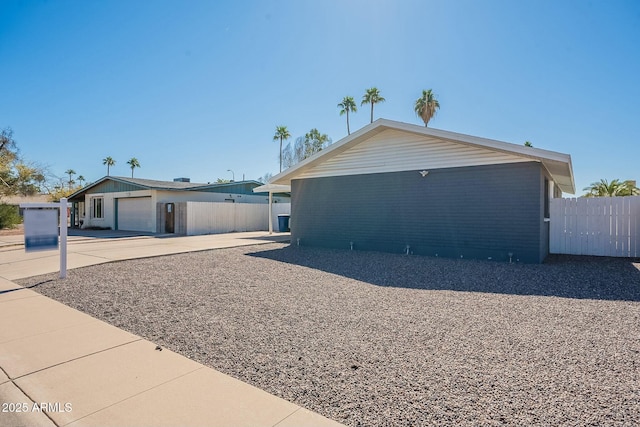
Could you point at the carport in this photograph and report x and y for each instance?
(272, 188)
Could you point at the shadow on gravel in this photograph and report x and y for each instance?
(577, 277)
(6, 291)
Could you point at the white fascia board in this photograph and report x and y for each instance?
(273, 188)
(336, 148)
(537, 154)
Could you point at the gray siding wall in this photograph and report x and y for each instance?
(471, 212)
(115, 187)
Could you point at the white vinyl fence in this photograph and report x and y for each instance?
(211, 218)
(605, 226)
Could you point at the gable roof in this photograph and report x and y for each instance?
(391, 146)
(119, 183)
(153, 184)
(223, 185)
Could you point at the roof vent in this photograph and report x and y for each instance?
(181, 179)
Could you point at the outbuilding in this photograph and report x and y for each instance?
(403, 188)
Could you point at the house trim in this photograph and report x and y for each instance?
(558, 165)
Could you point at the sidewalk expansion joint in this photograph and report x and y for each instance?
(141, 392)
(53, 330)
(29, 260)
(77, 358)
(33, 402)
(288, 416)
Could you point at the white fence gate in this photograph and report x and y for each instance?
(211, 217)
(604, 226)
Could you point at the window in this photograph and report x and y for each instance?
(96, 207)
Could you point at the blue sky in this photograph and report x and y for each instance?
(194, 88)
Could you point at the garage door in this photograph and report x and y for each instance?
(134, 214)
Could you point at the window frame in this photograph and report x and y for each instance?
(97, 207)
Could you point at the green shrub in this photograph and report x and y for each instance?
(9, 216)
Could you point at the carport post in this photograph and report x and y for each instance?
(270, 212)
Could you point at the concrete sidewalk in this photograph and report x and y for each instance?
(61, 367)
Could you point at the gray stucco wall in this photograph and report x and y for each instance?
(471, 212)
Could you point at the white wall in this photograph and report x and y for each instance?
(278, 208)
(210, 218)
(203, 196)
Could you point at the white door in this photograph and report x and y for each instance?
(134, 214)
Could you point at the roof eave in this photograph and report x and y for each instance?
(273, 188)
(380, 125)
(284, 177)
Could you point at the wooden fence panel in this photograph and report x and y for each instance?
(604, 226)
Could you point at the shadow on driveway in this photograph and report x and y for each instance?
(275, 237)
(579, 277)
(107, 234)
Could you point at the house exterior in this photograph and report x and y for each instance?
(404, 188)
(136, 204)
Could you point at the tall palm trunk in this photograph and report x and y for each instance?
(280, 154)
(348, 131)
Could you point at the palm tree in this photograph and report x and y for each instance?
(70, 172)
(630, 188)
(372, 96)
(133, 163)
(528, 144)
(81, 179)
(347, 104)
(426, 106)
(282, 133)
(109, 162)
(611, 189)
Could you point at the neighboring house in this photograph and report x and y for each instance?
(404, 188)
(133, 204)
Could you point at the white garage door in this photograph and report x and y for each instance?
(134, 214)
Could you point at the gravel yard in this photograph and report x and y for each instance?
(372, 339)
